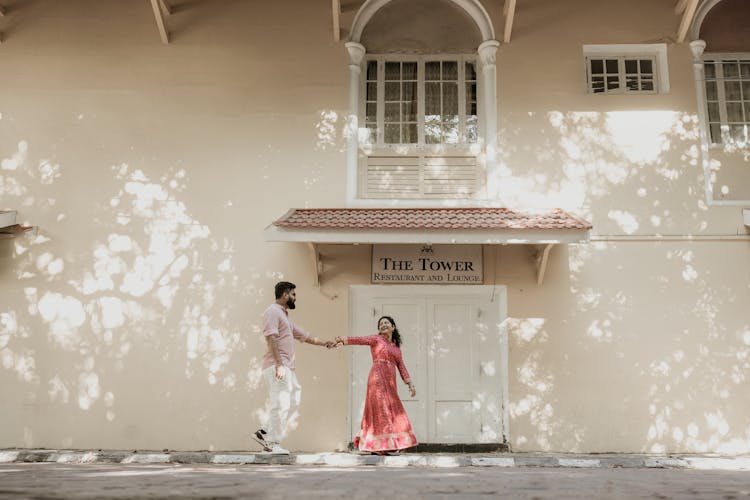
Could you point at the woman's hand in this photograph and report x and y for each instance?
(339, 341)
(412, 390)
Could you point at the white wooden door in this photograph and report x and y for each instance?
(455, 350)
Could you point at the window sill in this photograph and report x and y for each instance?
(401, 149)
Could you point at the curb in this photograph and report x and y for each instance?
(338, 459)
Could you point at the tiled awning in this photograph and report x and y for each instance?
(428, 225)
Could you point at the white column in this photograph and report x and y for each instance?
(697, 47)
(356, 55)
(487, 55)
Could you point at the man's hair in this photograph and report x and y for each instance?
(282, 287)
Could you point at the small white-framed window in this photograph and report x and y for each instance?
(420, 100)
(727, 91)
(626, 69)
(628, 75)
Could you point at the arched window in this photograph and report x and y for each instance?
(722, 25)
(422, 100)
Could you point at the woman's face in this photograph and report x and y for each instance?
(385, 327)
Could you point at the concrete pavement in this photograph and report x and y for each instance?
(50, 481)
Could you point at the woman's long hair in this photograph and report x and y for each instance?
(395, 337)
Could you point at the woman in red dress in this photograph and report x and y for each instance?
(385, 426)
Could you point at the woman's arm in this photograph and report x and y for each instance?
(405, 373)
(366, 340)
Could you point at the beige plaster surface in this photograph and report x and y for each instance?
(132, 320)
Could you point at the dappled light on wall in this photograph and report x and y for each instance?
(582, 157)
(146, 292)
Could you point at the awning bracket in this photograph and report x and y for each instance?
(317, 263)
(541, 258)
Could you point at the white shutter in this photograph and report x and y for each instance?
(449, 176)
(423, 176)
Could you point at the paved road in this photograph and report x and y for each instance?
(53, 481)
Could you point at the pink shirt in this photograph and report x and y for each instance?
(276, 322)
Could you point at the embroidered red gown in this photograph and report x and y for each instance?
(385, 425)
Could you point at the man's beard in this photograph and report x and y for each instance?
(290, 304)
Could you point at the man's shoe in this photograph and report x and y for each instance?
(276, 449)
(260, 437)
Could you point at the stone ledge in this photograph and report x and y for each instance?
(339, 459)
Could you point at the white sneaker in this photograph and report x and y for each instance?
(276, 449)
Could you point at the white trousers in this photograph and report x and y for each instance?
(284, 399)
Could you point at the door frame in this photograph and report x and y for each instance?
(499, 294)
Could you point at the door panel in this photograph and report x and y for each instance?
(452, 350)
(453, 369)
(455, 422)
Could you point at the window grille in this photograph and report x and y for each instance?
(621, 75)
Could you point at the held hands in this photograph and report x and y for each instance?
(330, 344)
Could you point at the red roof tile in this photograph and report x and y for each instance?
(429, 218)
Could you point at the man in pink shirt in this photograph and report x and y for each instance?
(284, 390)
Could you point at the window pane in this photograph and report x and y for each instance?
(732, 91)
(711, 92)
(392, 91)
(371, 111)
(432, 129)
(409, 91)
(450, 99)
(613, 82)
(392, 134)
(631, 82)
(471, 99)
(409, 133)
(647, 84)
(713, 112)
(646, 66)
(450, 130)
(731, 70)
(747, 112)
(432, 70)
(631, 66)
(471, 129)
(715, 129)
(746, 91)
(372, 92)
(597, 84)
(745, 70)
(471, 72)
(611, 65)
(597, 66)
(372, 131)
(710, 70)
(471, 93)
(734, 112)
(450, 70)
(409, 71)
(738, 133)
(392, 71)
(410, 111)
(393, 112)
(372, 70)
(432, 99)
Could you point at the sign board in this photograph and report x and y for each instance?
(429, 264)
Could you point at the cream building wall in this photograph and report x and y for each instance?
(133, 319)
